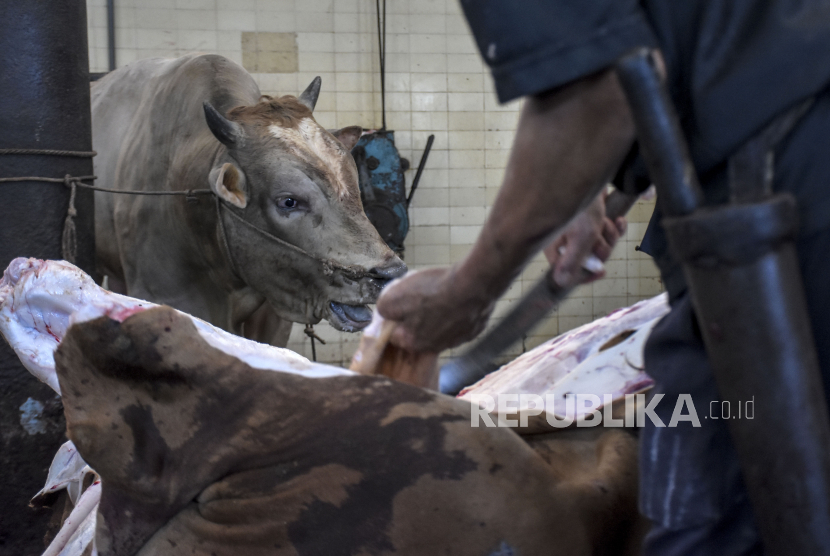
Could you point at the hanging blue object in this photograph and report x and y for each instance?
(382, 186)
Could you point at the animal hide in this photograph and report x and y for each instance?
(202, 448)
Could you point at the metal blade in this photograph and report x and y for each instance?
(477, 362)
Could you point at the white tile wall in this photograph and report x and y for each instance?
(436, 84)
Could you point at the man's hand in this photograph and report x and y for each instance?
(590, 232)
(569, 143)
(435, 309)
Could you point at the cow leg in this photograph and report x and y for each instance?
(283, 332)
(266, 327)
(115, 285)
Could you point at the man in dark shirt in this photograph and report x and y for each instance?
(731, 66)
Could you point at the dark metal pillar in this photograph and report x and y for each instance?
(44, 79)
(111, 34)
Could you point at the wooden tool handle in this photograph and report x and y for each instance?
(366, 359)
(377, 356)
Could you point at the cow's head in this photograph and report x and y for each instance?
(281, 175)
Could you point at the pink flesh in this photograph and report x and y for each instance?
(39, 301)
(574, 359)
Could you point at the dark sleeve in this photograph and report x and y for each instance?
(532, 46)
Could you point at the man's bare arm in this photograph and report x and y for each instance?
(590, 233)
(569, 142)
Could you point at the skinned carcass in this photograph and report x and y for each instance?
(603, 358)
(202, 451)
(40, 300)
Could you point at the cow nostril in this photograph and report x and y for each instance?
(390, 272)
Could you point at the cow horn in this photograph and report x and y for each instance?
(309, 96)
(226, 131)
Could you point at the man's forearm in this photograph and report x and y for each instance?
(568, 144)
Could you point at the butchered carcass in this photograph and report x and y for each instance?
(40, 300)
(201, 450)
(603, 358)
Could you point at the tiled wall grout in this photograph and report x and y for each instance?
(436, 84)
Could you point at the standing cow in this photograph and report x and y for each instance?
(284, 232)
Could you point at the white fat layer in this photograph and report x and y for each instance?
(68, 471)
(79, 528)
(40, 300)
(572, 363)
(308, 138)
(263, 356)
(606, 372)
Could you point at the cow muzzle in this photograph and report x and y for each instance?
(348, 318)
(306, 288)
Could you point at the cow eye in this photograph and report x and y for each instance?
(288, 203)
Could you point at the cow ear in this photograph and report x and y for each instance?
(349, 136)
(309, 96)
(226, 131)
(228, 182)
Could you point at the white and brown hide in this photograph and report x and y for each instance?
(199, 453)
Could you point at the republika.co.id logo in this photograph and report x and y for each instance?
(589, 410)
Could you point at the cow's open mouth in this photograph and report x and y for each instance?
(349, 318)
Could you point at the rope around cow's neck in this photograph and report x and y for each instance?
(69, 248)
(69, 236)
(329, 266)
(69, 239)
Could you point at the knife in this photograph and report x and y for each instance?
(477, 361)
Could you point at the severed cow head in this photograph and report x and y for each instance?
(282, 175)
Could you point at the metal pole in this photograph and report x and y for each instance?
(111, 33)
(420, 170)
(44, 105)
